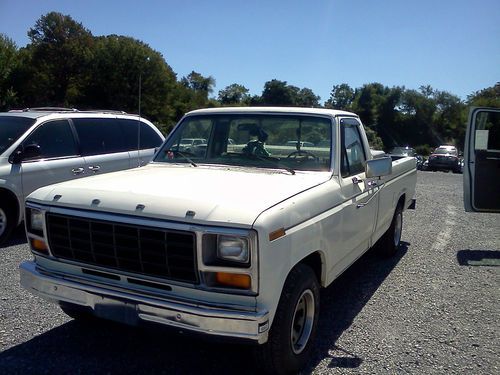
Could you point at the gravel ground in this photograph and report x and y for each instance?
(433, 309)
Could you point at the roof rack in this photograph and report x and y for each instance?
(62, 109)
(50, 109)
(111, 111)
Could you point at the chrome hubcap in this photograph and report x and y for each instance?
(302, 322)
(3, 221)
(398, 228)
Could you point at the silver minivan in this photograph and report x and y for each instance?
(43, 146)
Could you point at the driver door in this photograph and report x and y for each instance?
(482, 161)
(361, 205)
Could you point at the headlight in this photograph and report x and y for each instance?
(233, 249)
(36, 220)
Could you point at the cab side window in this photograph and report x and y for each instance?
(54, 139)
(99, 136)
(353, 154)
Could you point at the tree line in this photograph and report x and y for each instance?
(64, 65)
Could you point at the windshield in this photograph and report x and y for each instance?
(11, 128)
(290, 142)
(443, 151)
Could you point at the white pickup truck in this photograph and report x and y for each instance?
(232, 238)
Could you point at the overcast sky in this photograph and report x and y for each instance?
(452, 45)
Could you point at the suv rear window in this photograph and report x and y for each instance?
(11, 128)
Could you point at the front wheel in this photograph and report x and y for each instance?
(7, 220)
(294, 326)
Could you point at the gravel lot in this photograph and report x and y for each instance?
(433, 309)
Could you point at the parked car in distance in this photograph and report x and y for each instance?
(402, 152)
(420, 162)
(42, 146)
(425, 165)
(444, 158)
(302, 144)
(187, 144)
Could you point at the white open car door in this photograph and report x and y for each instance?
(482, 161)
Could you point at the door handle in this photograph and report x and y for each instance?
(374, 184)
(95, 168)
(77, 171)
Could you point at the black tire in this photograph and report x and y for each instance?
(7, 220)
(294, 327)
(388, 244)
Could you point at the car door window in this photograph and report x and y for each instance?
(353, 155)
(55, 139)
(99, 136)
(149, 138)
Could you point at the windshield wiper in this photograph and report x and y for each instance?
(184, 156)
(275, 161)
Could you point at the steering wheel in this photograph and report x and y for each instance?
(300, 153)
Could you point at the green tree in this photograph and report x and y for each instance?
(8, 62)
(199, 88)
(278, 93)
(234, 94)
(488, 97)
(450, 118)
(118, 63)
(341, 97)
(55, 64)
(306, 98)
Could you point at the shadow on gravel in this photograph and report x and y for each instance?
(343, 300)
(110, 348)
(489, 258)
(17, 237)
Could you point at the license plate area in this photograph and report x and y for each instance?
(118, 311)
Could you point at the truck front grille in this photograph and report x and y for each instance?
(149, 251)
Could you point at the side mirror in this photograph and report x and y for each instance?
(25, 153)
(31, 152)
(17, 156)
(378, 167)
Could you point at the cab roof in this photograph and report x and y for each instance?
(285, 110)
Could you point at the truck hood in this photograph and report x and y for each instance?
(216, 195)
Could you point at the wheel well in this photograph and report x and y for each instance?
(314, 261)
(401, 201)
(11, 199)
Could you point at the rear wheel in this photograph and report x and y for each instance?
(7, 220)
(390, 241)
(294, 326)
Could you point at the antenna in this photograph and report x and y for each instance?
(139, 119)
(139, 126)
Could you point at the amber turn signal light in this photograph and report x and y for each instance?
(233, 279)
(39, 245)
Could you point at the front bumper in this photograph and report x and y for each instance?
(131, 309)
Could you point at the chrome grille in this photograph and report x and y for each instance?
(149, 251)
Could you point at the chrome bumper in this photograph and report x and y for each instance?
(131, 309)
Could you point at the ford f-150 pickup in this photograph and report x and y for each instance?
(232, 238)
